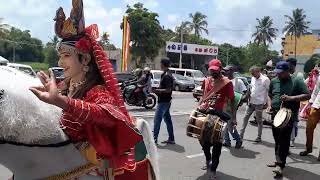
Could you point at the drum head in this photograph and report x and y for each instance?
(280, 117)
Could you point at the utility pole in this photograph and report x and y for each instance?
(181, 45)
(14, 52)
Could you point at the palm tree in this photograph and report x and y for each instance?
(264, 31)
(4, 28)
(198, 23)
(184, 28)
(296, 26)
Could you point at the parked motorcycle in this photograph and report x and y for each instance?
(133, 96)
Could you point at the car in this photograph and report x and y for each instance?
(24, 68)
(156, 74)
(197, 92)
(196, 75)
(58, 73)
(124, 76)
(3, 61)
(182, 83)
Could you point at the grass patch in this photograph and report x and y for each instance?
(37, 66)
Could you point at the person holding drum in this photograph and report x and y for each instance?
(285, 94)
(221, 87)
(258, 97)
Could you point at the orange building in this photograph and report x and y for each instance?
(307, 45)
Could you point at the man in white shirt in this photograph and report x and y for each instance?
(313, 119)
(258, 97)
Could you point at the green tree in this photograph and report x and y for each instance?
(314, 59)
(4, 28)
(20, 44)
(296, 26)
(51, 56)
(230, 54)
(258, 54)
(198, 23)
(105, 42)
(184, 28)
(145, 33)
(265, 31)
(168, 35)
(50, 52)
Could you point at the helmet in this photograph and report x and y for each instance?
(146, 69)
(137, 72)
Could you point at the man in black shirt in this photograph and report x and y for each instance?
(164, 93)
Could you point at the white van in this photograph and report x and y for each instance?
(156, 78)
(24, 68)
(195, 75)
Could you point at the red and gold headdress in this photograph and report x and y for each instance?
(77, 38)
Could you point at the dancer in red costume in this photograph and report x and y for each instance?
(94, 116)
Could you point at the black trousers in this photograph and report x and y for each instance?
(216, 152)
(282, 138)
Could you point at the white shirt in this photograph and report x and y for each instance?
(315, 97)
(238, 85)
(259, 90)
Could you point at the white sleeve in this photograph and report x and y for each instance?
(315, 91)
(242, 86)
(267, 84)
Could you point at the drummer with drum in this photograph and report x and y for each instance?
(220, 89)
(285, 94)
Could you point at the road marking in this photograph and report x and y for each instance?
(195, 155)
(201, 154)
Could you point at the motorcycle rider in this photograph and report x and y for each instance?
(140, 81)
(148, 77)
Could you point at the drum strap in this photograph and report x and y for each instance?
(216, 87)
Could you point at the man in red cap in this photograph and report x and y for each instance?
(222, 87)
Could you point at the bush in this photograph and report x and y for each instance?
(37, 66)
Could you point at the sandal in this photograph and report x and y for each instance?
(305, 153)
(274, 164)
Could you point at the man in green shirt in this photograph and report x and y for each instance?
(288, 91)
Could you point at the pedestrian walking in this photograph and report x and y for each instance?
(313, 119)
(238, 87)
(164, 93)
(285, 92)
(258, 97)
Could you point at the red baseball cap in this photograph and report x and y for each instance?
(215, 65)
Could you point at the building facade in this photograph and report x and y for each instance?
(307, 45)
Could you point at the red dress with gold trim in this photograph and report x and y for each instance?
(96, 120)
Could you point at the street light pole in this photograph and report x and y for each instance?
(181, 44)
(14, 53)
(227, 56)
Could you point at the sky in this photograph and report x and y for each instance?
(230, 21)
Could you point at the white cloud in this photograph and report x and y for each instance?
(173, 18)
(232, 16)
(107, 20)
(203, 2)
(150, 4)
